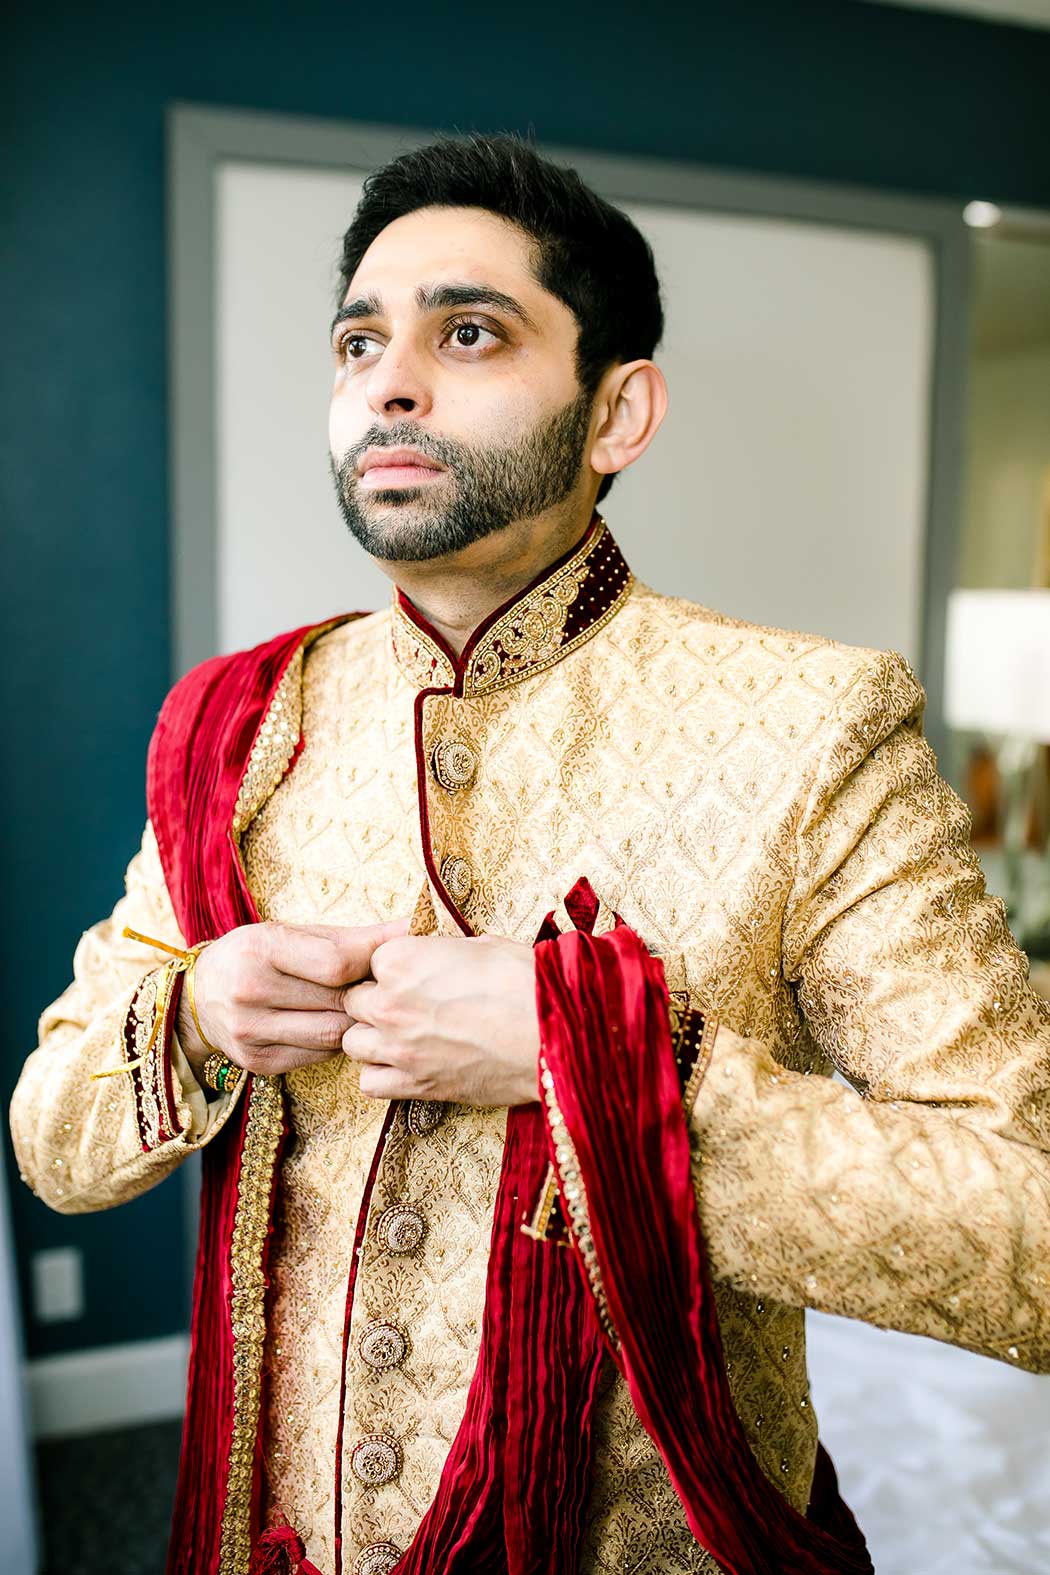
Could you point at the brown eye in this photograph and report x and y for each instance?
(469, 335)
(354, 346)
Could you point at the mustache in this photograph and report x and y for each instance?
(405, 435)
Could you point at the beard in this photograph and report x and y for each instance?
(484, 489)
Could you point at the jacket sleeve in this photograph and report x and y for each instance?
(85, 1142)
(918, 1198)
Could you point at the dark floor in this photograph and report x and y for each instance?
(105, 1500)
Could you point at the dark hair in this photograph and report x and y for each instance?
(588, 254)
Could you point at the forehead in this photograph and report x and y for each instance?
(455, 243)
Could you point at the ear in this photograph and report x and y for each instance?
(631, 403)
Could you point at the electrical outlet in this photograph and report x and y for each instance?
(58, 1285)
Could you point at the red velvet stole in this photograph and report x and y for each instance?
(611, 1073)
(197, 760)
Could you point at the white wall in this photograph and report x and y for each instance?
(285, 557)
(1008, 464)
(788, 484)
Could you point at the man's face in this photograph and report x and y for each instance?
(456, 407)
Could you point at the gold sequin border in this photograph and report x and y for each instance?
(278, 734)
(273, 747)
(574, 1197)
(248, 1314)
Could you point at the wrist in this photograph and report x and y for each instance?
(190, 1043)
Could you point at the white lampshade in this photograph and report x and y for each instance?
(998, 663)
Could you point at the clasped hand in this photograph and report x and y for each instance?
(426, 1017)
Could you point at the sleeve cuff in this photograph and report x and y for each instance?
(145, 1039)
(170, 1103)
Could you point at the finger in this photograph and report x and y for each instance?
(315, 1031)
(328, 955)
(301, 995)
(367, 1045)
(292, 950)
(398, 950)
(356, 944)
(384, 930)
(359, 1001)
(385, 1082)
(359, 944)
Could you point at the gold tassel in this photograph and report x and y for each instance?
(162, 946)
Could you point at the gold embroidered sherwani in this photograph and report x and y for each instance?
(762, 808)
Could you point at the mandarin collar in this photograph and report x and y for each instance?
(563, 606)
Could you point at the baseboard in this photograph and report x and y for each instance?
(108, 1386)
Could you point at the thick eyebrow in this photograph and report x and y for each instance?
(437, 297)
(364, 306)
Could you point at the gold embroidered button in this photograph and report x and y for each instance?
(401, 1229)
(454, 763)
(383, 1345)
(457, 877)
(424, 1115)
(378, 1559)
(375, 1459)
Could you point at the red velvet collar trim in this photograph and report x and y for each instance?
(567, 603)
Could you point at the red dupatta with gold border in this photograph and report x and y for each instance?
(207, 743)
(609, 1141)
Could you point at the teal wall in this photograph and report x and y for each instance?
(841, 91)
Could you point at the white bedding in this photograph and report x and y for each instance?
(944, 1457)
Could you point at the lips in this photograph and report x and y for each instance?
(384, 478)
(396, 460)
(386, 469)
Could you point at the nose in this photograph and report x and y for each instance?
(397, 384)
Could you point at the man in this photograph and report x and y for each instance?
(535, 903)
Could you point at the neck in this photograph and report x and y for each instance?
(457, 593)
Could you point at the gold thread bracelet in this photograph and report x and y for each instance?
(191, 996)
(183, 961)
